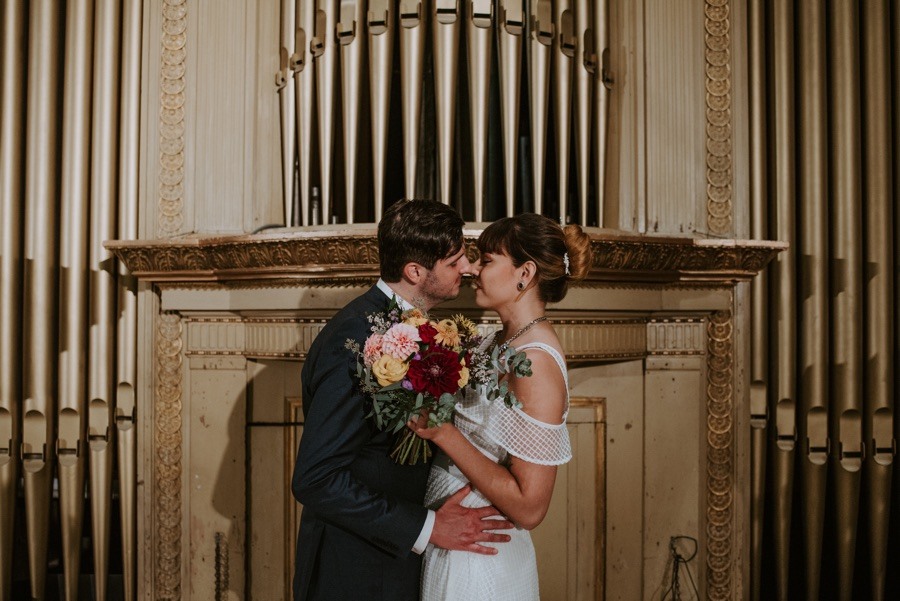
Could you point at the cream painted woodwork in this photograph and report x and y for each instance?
(649, 466)
(569, 543)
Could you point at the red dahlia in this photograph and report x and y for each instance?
(436, 372)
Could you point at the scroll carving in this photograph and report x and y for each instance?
(168, 455)
(719, 142)
(720, 456)
(170, 204)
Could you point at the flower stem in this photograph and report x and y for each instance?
(410, 449)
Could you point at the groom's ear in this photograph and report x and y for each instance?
(413, 273)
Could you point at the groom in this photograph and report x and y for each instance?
(363, 527)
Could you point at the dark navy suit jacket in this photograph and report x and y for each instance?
(362, 513)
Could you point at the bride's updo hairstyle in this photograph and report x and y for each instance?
(532, 237)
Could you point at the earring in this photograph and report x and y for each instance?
(520, 286)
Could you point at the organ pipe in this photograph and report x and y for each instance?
(412, 59)
(812, 179)
(784, 295)
(759, 290)
(40, 279)
(847, 306)
(12, 143)
(540, 44)
(879, 342)
(126, 333)
(70, 446)
(563, 57)
(446, 27)
(304, 88)
(479, 29)
(381, 54)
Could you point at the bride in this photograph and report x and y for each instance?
(509, 455)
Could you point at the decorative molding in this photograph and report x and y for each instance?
(350, 254)
(676, 336)
(290, 337)
(170, 204)
(168, 457)
(588, 340)
(719, 118)
(720, 467)
(282, 337)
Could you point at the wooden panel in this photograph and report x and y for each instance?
(569, 541)
(273, 515)
(216, 470)
(673, 441)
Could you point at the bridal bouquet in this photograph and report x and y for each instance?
(411, 365)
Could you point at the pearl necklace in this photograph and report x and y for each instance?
(521, 331)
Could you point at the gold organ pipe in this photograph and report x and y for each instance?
(510, 26)
(601, 102)
(584, 66)
(563, 54)
(70, 444)
(758, 178)
(304, 88)
(101, 368)
(813, 247)
(412, 58)
(879, 351)
(479, 29)
(540, 44)
(783, 337)
(350, 34)
(40, 279)
(381, 56)
(895, 79)
(759, 290)
(12, 143)
(846, 261)
(287, 108)
(126, 336)
(325, 56)
(446, 24)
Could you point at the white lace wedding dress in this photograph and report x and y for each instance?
(499, 432)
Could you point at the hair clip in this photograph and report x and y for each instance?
(566, 263)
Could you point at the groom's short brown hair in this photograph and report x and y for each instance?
(417, 231)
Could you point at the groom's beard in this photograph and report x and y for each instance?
(436, 291)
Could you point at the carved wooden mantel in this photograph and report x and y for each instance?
(347, 254)
(652, 298)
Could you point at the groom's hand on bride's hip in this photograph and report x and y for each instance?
(464, 528)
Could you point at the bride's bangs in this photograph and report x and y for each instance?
(496, 237)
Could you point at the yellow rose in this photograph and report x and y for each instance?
(388, 370)
(463, 376)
